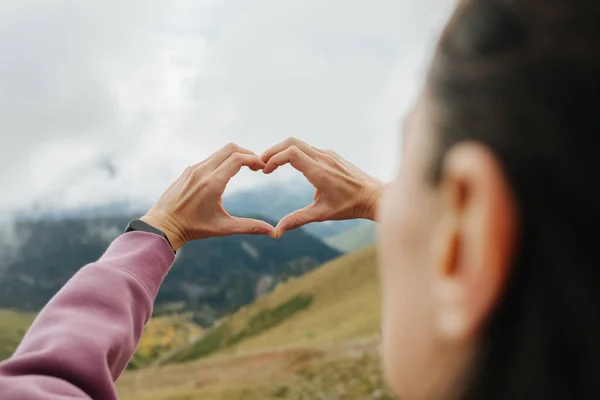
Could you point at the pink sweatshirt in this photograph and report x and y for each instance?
(83, 339)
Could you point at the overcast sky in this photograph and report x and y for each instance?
(104, 101)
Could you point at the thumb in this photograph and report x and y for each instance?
(250, 226)
(308, 214)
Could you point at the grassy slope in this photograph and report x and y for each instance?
(331, 345)
(354, 239)
(344, 305)
(13, 326)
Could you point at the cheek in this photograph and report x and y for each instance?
(403, 255)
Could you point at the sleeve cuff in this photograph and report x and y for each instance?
(145, 255)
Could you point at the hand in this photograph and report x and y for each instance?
(192, 208)
(343, 190)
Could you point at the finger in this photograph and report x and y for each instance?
(308, 214)
(278, 148)
(297, 159)
(248, 226)
(232, 165)
(214, 161)
(338, 158)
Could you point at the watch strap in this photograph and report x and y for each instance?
(141, 226)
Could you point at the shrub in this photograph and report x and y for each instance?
(266, 319)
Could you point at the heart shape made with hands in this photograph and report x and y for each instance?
(192, 208)
(343, 191)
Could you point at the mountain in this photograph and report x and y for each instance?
(210, 277)
(277, 200)
(274, 201)
(354, 239)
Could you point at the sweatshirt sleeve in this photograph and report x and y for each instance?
(84, 337)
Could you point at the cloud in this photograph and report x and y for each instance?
(109, 101)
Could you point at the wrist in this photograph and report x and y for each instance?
(167, 228)
(371, 203)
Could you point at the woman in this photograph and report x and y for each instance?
(488, 267)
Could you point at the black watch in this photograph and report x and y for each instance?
(139, 225)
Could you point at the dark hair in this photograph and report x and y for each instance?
(522, 77)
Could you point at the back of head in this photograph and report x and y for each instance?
(523, 78)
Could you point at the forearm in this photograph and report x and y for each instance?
(83, 339)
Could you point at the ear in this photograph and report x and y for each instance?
(475, 241)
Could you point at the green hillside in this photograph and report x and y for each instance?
(354, 239)
(337, 302)
(13, 325)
